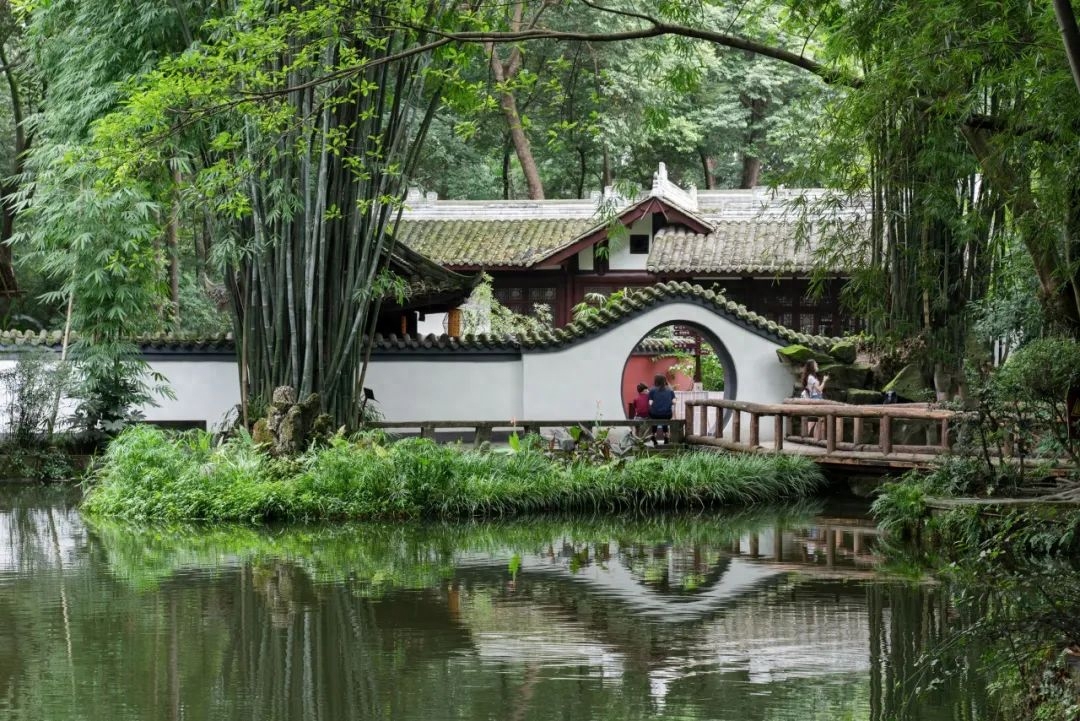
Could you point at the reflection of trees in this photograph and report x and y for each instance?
(391, 622)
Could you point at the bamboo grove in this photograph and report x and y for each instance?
(307, 287)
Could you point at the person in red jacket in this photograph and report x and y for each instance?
(641, 406)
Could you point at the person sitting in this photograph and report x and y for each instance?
(640, 406)
(661, 405)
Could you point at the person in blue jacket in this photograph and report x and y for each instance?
(661, 405)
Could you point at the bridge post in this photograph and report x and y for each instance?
(736, 425)
(483, 434)
(839, 429)
(886, 434)
(830, 433)
(946, 444)
(688, 414)
(856, 432)
(678, 435)
(778, 432)
(427, 431)
(755, 429)
(703, 420)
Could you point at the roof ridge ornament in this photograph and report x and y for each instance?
(662, 187)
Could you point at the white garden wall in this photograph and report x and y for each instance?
(581, 381)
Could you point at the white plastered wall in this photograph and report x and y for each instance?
(580, 382)
(206, 389)
(621, 258)
(452, 387)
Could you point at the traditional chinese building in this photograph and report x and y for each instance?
(756, 246)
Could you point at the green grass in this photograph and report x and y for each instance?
(147, 474)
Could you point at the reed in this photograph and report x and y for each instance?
(148, 474)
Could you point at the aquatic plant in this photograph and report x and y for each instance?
(149, 474)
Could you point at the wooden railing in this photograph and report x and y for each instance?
(821, 423)
(484, 430)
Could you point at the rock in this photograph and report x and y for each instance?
(797, 355)
(292, 436)
(843, 376)
(290, 427)
(843, 351)
(909, 384)
(864, 397)
(283, 397)
(261, 435)
(322, 427)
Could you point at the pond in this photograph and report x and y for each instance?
(764, 614)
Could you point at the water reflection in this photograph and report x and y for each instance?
(765, 615)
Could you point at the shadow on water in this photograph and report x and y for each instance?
(763, 614)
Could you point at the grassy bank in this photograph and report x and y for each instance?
(147, 474)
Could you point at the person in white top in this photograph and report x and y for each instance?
(812, 387)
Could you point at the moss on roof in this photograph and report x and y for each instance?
(490, 243)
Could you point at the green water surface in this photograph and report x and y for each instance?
(774, 614)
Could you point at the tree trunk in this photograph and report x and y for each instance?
(10, 185)
(1070, 36)
(503, 73)
(708, 168)
(172, 247)
(751, 167)
(520, 141)
(507, 186)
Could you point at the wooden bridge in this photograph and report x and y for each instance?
(876, 438)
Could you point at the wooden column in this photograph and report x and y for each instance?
(886, 435)
(677, 433)
(453, 322)
(719, 431)
(427, 431)
(736, 426)
(839, 429)
(703, 420)
(778, 431)
(830, 433)
(946, 443)
(689, 419)
(856, 432)
(755, 430)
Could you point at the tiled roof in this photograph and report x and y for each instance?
(634, 304)
(630, 306)
(491, 242)
(751, 232)
(16, 340)
(735, 246)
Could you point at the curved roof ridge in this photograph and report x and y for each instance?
(636, 303)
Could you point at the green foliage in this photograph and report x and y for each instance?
(712, 371)
(594, 304)
(146, 474)
(900, 507)
(483, 313)
(31, 393)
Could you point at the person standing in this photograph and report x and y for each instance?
(812, 386)
(661, 405)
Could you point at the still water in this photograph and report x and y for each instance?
(773, 614)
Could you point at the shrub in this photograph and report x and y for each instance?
(148, 474)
